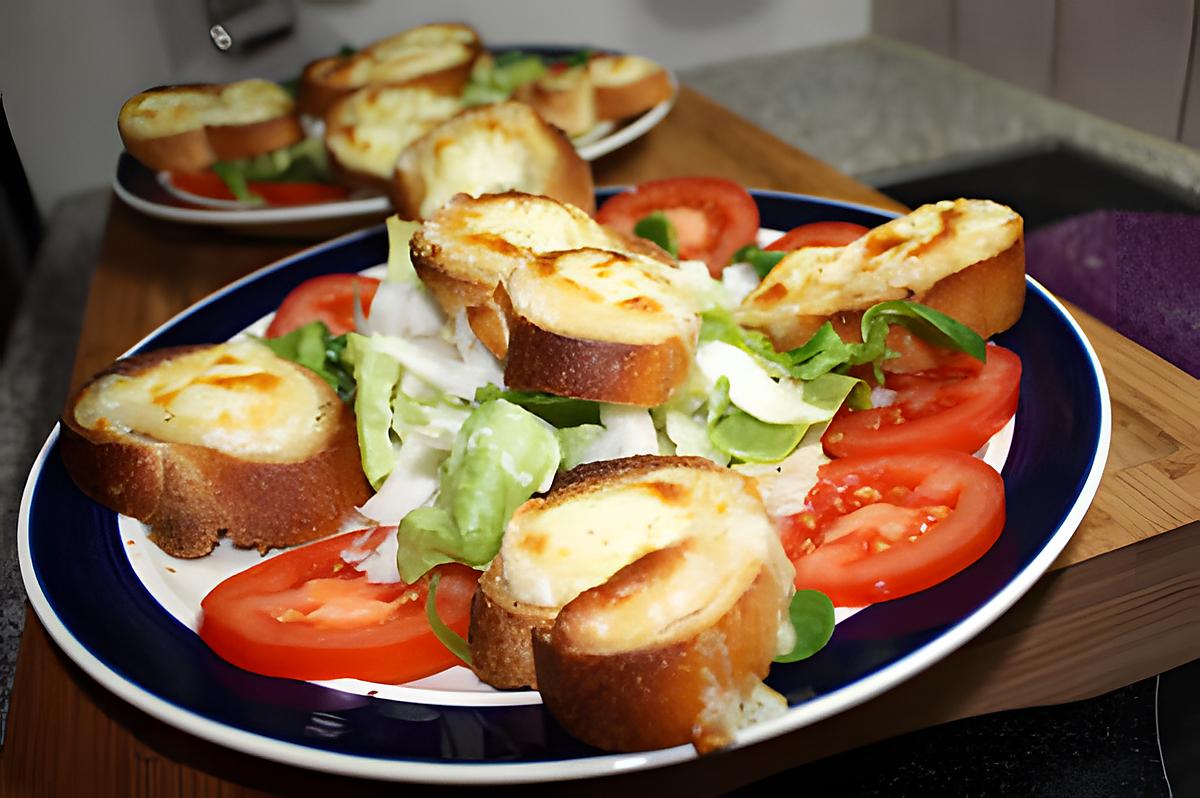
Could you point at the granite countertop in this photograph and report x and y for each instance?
(873, 107)
(868, 107)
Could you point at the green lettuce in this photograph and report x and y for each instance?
(502, 455)
(314, 347)
(302, 162)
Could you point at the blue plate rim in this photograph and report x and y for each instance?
(816, 709)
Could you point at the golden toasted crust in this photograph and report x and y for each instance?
(983, 287)
(662, 696)
(190, 495)
(618, 95)
(564, 99)
(487, 150)
(184, 128)
(500, 632)
(410, 58)
(604, 371)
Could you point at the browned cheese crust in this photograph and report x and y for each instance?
(655, 697)
(555, 168)
(191, 495)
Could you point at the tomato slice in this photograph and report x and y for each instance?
(307, 614)
(879, 528)
(209, 184)
(818, 234)
(328, 298)
(958, 405)
(713, 217)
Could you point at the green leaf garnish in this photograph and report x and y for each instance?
(926, 323)
(762, 260)
(561, 411)
(314, 347)
(811, 614)
(658, 228)
(449, 638)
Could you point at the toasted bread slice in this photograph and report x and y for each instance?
(466, 248)
(965, 258)
(487, 150)
(600, 325)
(668, 588)
(436, 57)
(366, 131)
(627, 85)
(188, 128)
(202, 441)
(564, 98)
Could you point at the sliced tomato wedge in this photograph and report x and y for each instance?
(958, 405)
(818, 234)
(307, 614)
(713, 217)
(879, 528)
(209, 184)
(328, 298)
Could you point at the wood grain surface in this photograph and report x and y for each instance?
(1124, 603)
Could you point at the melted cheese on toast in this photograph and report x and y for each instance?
(237, 398)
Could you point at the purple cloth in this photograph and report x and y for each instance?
(1139, 273)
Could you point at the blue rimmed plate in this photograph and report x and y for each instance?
(74, 551)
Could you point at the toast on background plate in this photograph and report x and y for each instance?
(203, 441)
(437, 57)
(627, 85)
(487, 150)
(564, 98)
(965, 258)
(654, 616)
(189, 128)
(366, 131)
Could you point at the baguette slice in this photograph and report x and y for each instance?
(189, 128)
(464, 250)
(965, 258)
(627, 85)
(200, 441)
(599, 325)
(565, 99)
(661, 593)
(366, 131)
(436, 57)
(487, 150)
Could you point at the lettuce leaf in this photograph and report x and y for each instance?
(314, 347)
(502, 455)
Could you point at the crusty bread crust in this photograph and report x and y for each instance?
(231, 142)
(662, 696)
(182, 152)
(551, 166)
(501, 654)
(616, 101)
(190, 495)
(603, 371)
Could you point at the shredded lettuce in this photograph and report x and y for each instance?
(449, 638)
(502, 455)
(399, 263)
(561, 411)
(302, 162)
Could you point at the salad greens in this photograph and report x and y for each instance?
(314, 347)
(449, 638)
(502, 455)
(657, 227)
(302, 162)
(811, 614)
(761, 259)
(561, 411)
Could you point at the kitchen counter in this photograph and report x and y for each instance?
(876, 107)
